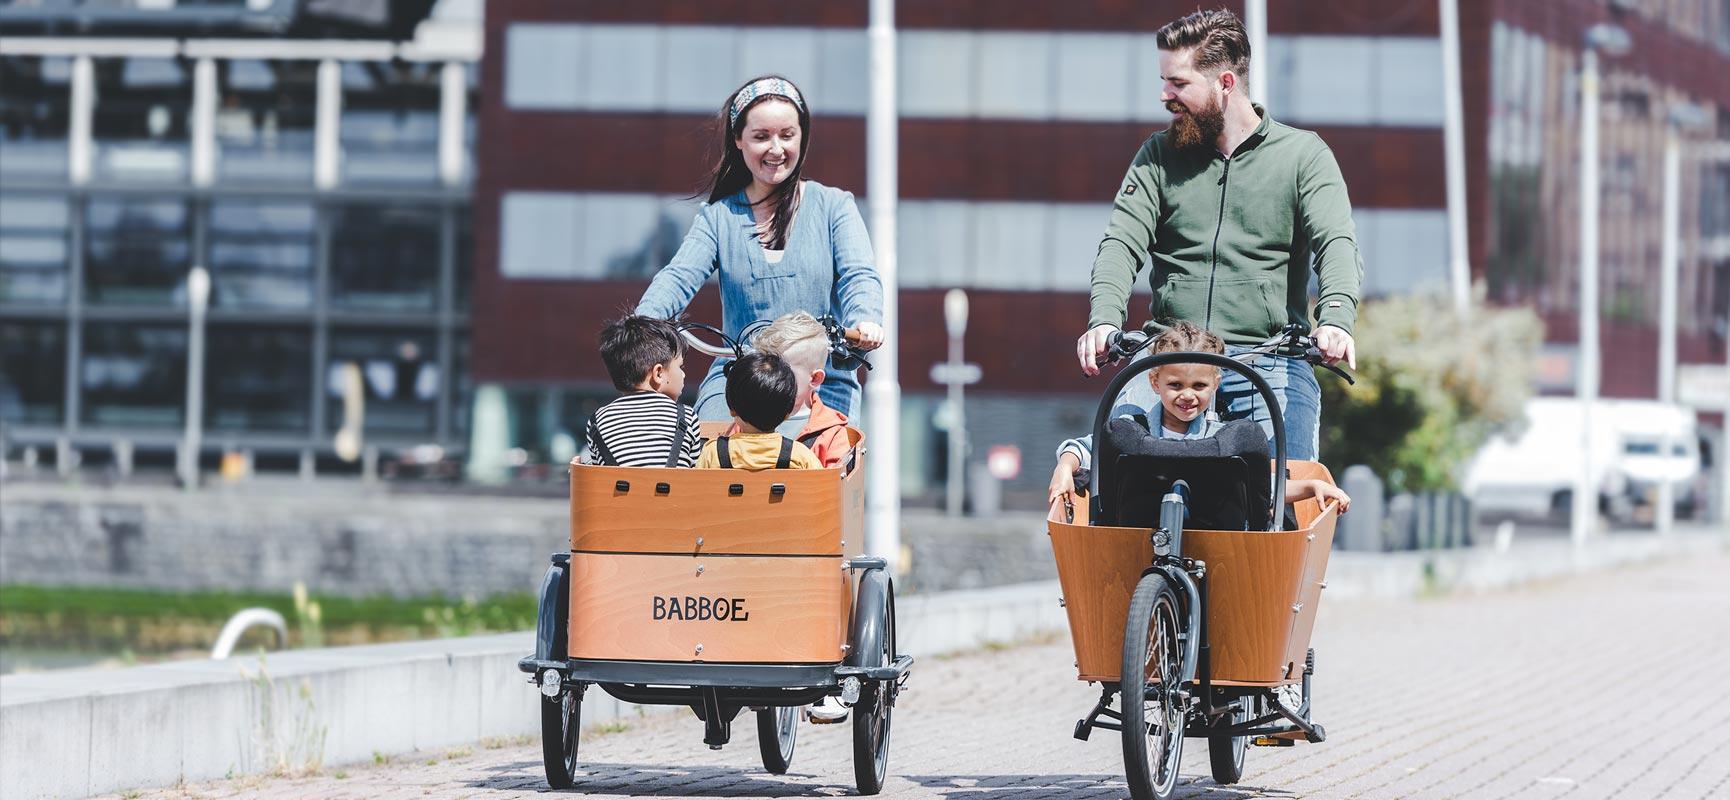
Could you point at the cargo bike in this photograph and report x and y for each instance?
(1190, 595)
(722, 591)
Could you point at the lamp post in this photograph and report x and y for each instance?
(1612, 40)
(1681, 117)
(883, 387)
(197, 299)
(955, 322)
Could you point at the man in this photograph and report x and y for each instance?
(1232, 208)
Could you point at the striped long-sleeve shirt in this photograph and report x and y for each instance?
(637, 431)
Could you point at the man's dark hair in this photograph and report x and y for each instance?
(1218, 37)
(761, 390)
(633, 345)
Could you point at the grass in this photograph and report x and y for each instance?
(148, 621)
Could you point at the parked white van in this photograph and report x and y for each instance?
(1534, 474)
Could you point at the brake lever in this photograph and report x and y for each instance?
(1340, 372)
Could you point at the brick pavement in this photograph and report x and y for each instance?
(1596, 687)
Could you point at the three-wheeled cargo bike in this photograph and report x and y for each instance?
(1191, 596)
(720, 590)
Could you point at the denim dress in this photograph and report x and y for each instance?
(827, 268)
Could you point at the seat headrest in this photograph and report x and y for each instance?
(1242, 437)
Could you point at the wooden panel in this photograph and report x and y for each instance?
(776, 610)
(1098, 569)
(1253, 579)
(805, 520)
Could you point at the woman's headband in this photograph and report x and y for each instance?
(777, 87)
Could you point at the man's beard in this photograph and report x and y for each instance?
(1201, 128)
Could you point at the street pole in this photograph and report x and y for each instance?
(1585, 511)
(1668, 259)
(955, 322)
(883, 386)
(1615, 41)
(1454, 146)
(1255, 25)
(197, 297)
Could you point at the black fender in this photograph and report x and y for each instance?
(554, 610)
(869, 611)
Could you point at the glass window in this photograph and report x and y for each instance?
(622, 67)
(137, 251)
(35, 114)
(463, 392)
(134, 376)
(1093, 79)
(257, 379)
(266, 114)
(399, 375)
(33, 248)
(935, 52)
(32, 372)
(261, 254)
(390, 122)
(143, 119)
(463, 260)
(384, 257)
(1014, 75)
(540, 234)
(541, 66)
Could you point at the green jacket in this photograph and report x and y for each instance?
(1230, 239)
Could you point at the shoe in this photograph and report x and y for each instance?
(826, 712)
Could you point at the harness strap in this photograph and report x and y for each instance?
(722, 454)
(600, 445)
(786, 457)
(810, 439)
(678, 447)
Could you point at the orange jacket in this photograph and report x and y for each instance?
(825, 432)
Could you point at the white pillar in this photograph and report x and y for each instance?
(1454, 147)
(1255, 24)
(883, 386)
(453, 113)
(1668, 263)
(80, 149)
(197, 298)
(1585, 511)
(327, 143)
(955, 323)
(204, 122)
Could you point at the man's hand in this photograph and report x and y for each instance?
(1336, 345)
(1091, 347)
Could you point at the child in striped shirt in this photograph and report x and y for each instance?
(647, 426)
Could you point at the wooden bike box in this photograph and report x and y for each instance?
(1262, 590)
(722, 566)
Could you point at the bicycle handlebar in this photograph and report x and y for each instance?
(1291, 342)
(844, 342)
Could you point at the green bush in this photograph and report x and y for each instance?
(1432, 387)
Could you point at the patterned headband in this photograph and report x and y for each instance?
(759, 88)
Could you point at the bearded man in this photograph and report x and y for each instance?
(1233, 209)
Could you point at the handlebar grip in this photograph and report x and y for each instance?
(851, 335)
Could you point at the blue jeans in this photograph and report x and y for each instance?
(1293, 382)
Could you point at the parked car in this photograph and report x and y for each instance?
(1534, 473)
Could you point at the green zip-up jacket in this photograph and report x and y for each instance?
(1230, 238)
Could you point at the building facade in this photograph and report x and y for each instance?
(322, 182)
(1018, 120)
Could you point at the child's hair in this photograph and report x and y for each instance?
(633, 345)
(1182, 336)
(798, 338)
(761, 389)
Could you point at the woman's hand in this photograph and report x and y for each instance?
(1063, 478)
(870, 335)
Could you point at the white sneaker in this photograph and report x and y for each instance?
(827, 711)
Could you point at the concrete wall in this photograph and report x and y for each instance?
(79, 732)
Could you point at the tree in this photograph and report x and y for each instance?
(1431, 388)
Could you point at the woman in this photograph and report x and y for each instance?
(781, 243)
